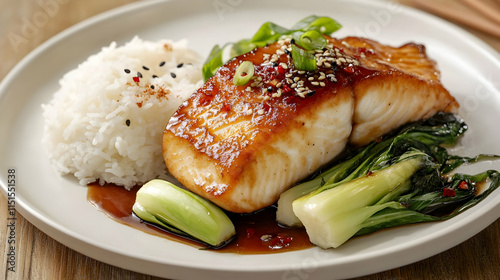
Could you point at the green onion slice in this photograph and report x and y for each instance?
(303, 60)
(312, 40)
(243, 74)
(268, 33)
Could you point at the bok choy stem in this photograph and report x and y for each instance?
(183, 213)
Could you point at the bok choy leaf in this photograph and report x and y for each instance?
(374, 188)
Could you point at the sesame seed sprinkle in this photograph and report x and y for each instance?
(126, 71)
(139, 74)
(172, 74)
(145, 68)
(161, 63)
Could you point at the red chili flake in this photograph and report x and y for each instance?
(448, 192)
(286, 88)
(250, 232)
(463, 185)
(280, 70)
(136, 79)
(349, 69)
(280, 241)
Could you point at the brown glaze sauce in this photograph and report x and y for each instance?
(256, 233)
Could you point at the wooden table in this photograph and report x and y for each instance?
(41, 257)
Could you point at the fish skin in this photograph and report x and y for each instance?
(241, 150)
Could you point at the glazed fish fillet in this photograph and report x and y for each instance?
(242, 146)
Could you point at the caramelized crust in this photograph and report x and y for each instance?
(241, 146)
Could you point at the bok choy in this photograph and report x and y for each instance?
(183, 213)
(401, 179)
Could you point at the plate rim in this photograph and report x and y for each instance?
(64, 235)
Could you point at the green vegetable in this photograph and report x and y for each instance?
(399, 180)
(441, 129)
(303, 60)
(183, 213)
(312, 40)
(268, 33)
(333, 216)
(243, 74)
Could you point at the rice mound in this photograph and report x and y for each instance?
(105, 125)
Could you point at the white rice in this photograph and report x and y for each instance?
(102, 126)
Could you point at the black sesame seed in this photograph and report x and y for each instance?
(126, 71)
(269, 88)
(334, 66)
(145, 68)
(180, 65)
(287, 52)
(154, 76)
(173, 75)
(152, 86)
(275, 64)
(127, 122)
(162, 63)
(311, 93)
(139, 74)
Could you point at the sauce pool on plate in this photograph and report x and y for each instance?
(256, 233)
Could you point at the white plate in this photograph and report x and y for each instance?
(58, 205)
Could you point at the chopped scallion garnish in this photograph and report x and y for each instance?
(312, 40)
(243, 74)
(268, 33)
(303, 60)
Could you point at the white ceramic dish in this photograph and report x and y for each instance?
(58, 205)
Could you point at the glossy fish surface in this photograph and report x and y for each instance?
(242, 146)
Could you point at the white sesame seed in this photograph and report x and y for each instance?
(283, 65)
(293, 85)
(327, 65)
(315, 83)
(278, 85)
(249, 111)
(310, 79)
(322, 84)
(296, 79)
(302, 72)
(260, 111)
